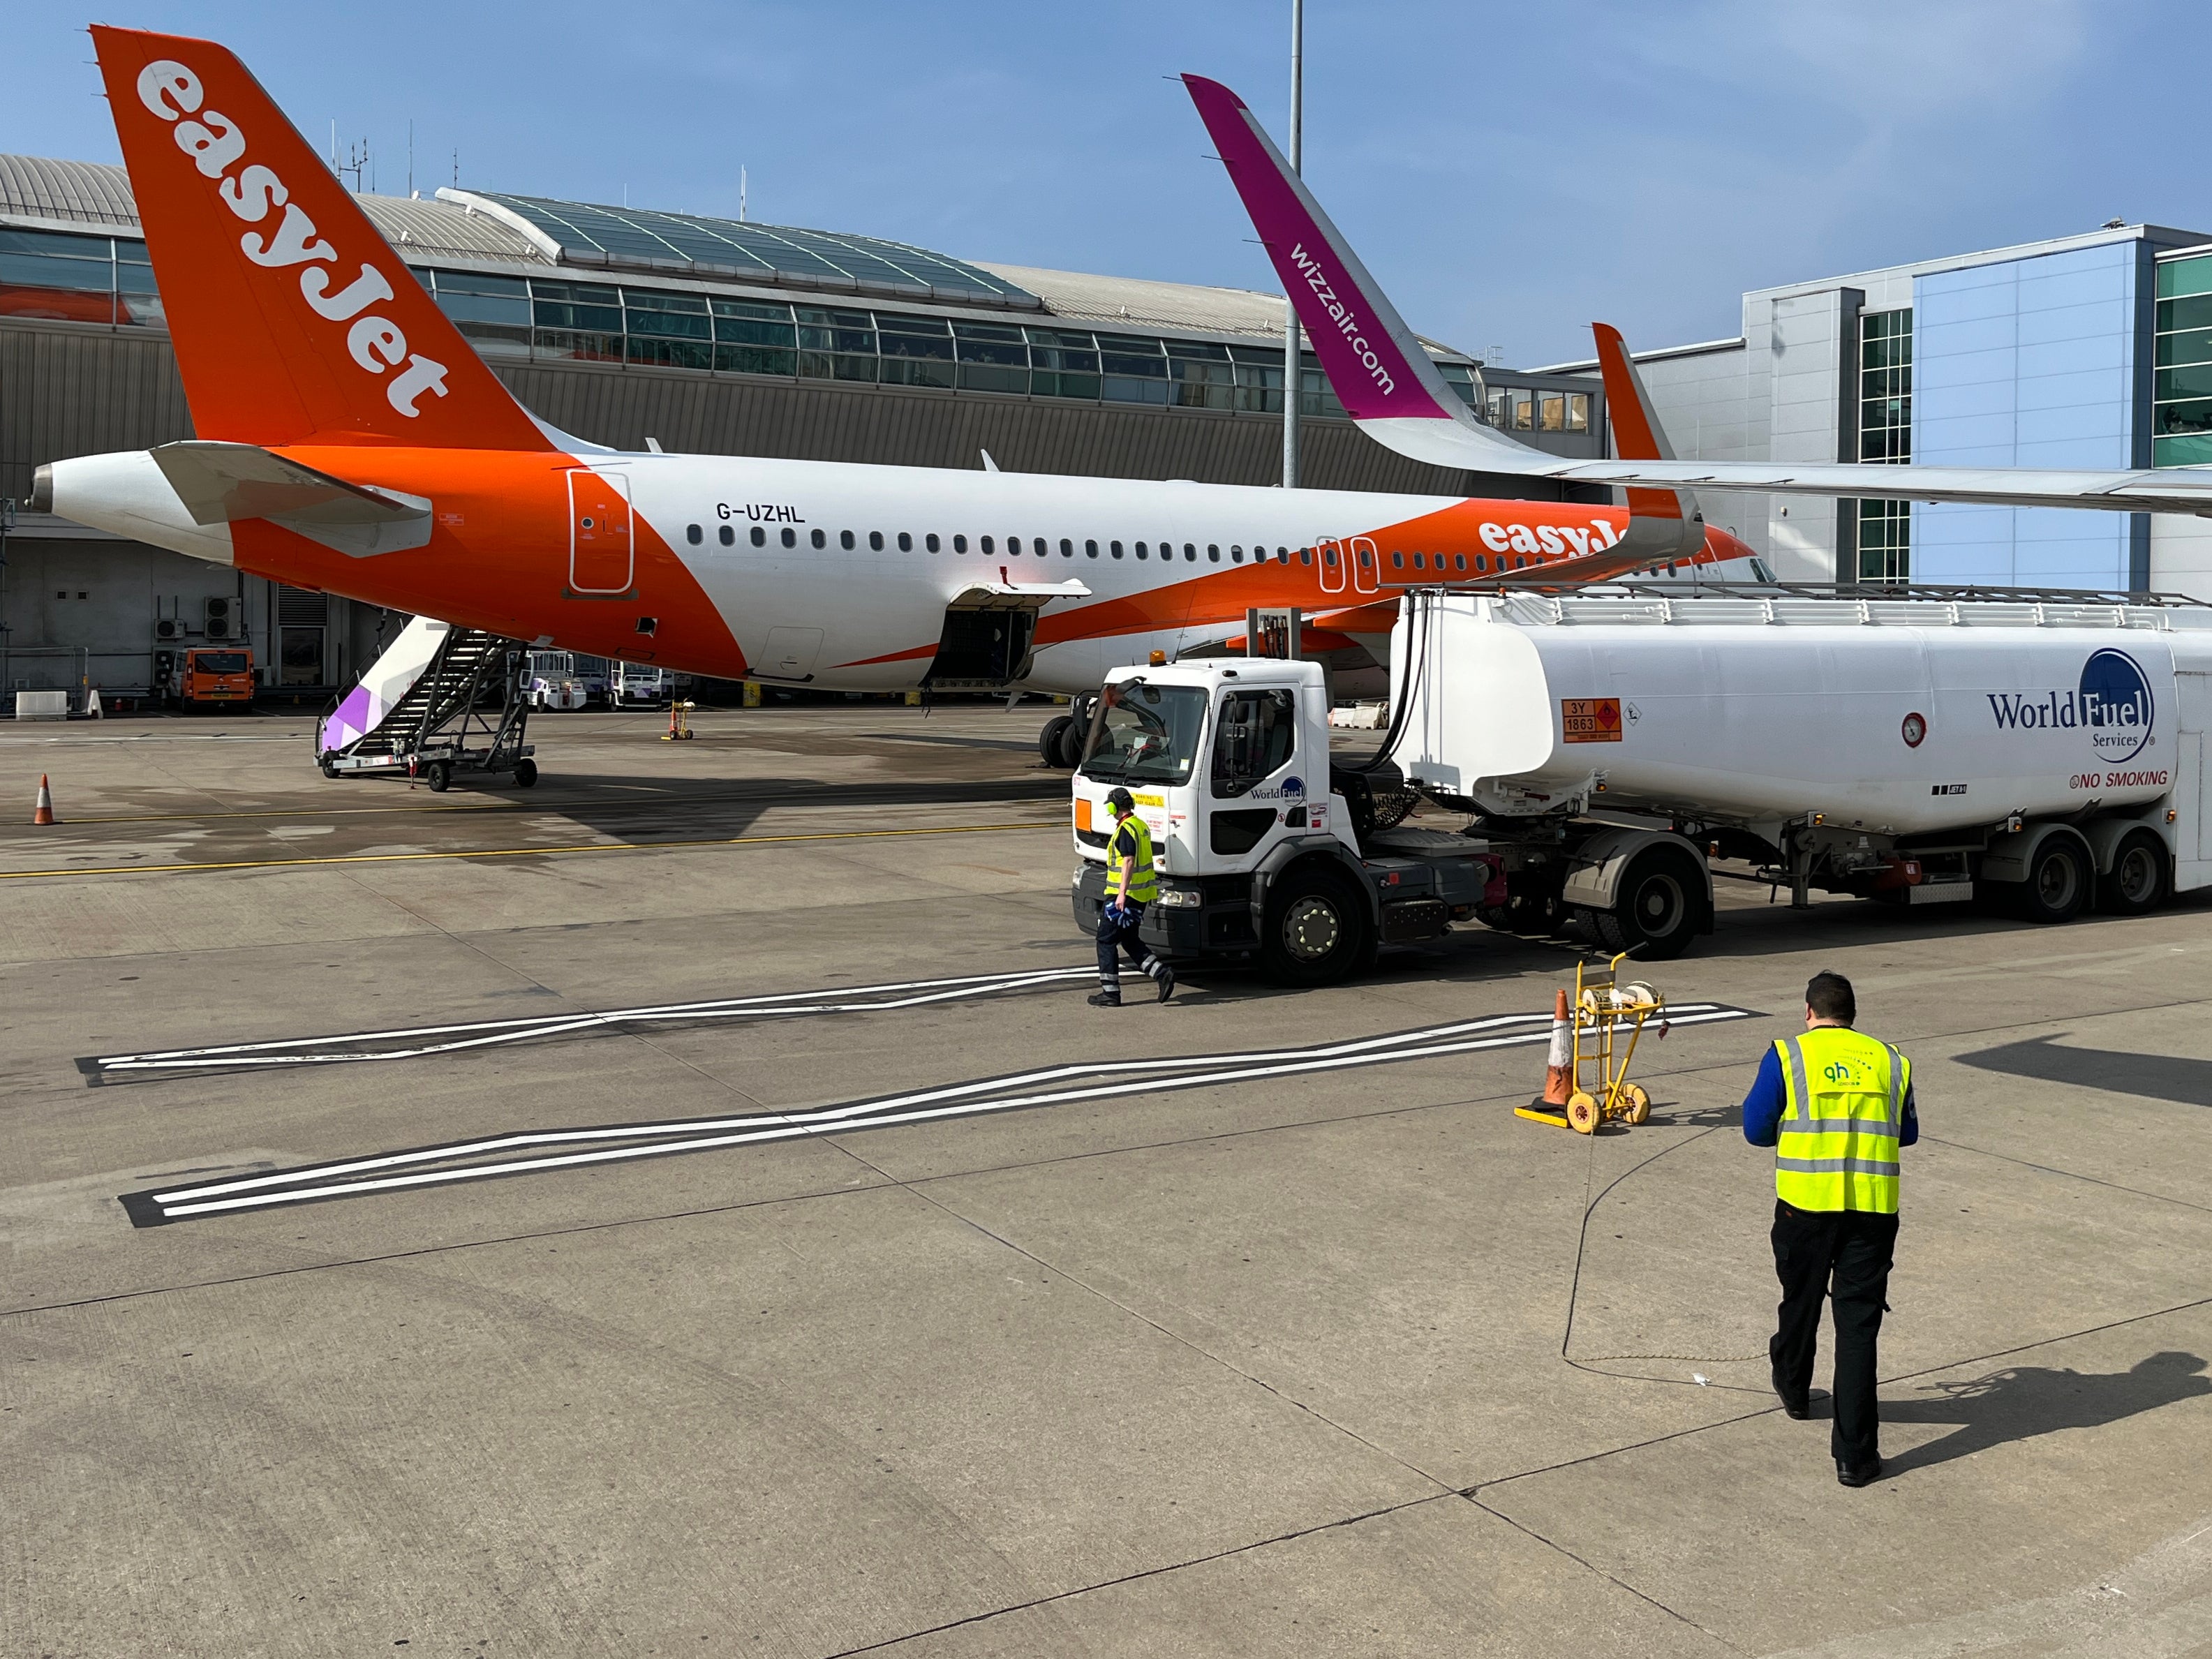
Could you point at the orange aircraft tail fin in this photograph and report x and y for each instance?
(294, 321)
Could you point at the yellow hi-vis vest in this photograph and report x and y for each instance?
(1838, 1146)
(1143, 888)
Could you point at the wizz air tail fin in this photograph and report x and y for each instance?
(294, 321)
(1386, 382)
(1668, 520)
(1390, 389)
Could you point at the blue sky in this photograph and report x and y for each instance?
(1508, 172)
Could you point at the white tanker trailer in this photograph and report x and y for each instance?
(2047, 754)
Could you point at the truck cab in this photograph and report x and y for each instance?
(1262, 849)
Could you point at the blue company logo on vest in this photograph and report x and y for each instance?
(2112, 704)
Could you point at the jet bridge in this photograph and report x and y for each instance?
(441, 701)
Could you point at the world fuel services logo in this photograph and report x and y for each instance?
(2112, 704)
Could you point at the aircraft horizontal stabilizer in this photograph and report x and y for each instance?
(220, 483)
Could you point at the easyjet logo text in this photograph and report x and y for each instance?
(1554, 539)
(1347, 321)
(254, 192)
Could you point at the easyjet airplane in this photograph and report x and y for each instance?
(350, 440)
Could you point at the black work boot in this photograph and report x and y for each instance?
(1166, 980)
(1864, 1475)
(1107, 996)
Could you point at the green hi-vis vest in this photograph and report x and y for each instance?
(1143, 888)
(1838, 1148)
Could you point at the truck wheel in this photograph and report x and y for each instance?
(2137, 880)
(437, 774)
(1660, 904)
(2058, 884)
(1317, 929)
(1050, 741)
(525, 772)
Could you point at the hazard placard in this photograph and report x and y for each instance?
(1589, 719)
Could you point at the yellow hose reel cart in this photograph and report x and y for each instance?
(1604, 1009)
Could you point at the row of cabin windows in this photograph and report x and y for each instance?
(1039, 545)
(1435, 562)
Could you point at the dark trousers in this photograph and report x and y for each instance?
(1853, 1248)
(1120, 935)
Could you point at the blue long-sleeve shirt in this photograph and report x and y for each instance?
(1764, 1106)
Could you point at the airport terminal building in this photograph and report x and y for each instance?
(626, 327)
(2089, 351)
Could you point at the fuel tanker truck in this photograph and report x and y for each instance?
(2047, 755)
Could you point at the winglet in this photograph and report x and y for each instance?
(1667, 520)
(1380, 375)
(1637, 434)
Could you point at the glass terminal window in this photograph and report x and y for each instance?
(1885, 527)
(2181, 386)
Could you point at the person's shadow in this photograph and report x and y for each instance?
(2026, 1401)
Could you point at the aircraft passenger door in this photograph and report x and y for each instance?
(1366, 569)
(601, 558)
(1331, 566)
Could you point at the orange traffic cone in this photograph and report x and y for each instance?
(1559, 1066)
(45, 812)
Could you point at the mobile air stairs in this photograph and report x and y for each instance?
(441, 701)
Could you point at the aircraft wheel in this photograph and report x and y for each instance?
(1071, 742)
(1051, 740)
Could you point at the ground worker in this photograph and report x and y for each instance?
(1835, 1105)
(1130, 886)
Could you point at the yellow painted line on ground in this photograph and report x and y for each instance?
(524, 852)
(304, 812)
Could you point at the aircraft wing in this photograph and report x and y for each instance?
(1391, 389)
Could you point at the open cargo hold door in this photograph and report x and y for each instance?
(989, 630)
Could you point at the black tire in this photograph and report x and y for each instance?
(2141, 877)
(1071, 742)
(328, 770)
(2058, 885)
(437, 774)
(1050, 740)
(1660, 907)
(525, 772)
(1317, 929)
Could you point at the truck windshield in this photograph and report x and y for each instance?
(1150, 734)
(219, 662)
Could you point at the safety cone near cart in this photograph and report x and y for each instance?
(1551, 1107)
(44, 812)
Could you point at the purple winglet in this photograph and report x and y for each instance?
(1378, 369)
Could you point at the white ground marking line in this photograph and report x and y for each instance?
(298, 1186)
(323, 1051)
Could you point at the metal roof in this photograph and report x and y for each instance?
(684, 243)
(525, 231)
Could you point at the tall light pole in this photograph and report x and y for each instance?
(1292, 357)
